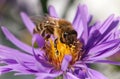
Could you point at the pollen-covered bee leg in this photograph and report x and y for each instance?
(55, 46)
(55, 43)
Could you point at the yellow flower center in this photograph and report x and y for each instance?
(56, 53)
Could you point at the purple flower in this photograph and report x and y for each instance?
(99, 41)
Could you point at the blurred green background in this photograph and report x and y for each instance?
(10, 17)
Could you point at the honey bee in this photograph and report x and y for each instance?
(65, 39)
(59, 28)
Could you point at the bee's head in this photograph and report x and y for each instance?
(69, 37)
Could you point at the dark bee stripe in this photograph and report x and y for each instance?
(43, 33)
(49, 29)
(38, 28)
(35, 30)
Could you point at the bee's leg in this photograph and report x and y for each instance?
(62, 40)
(55, 43)
(43, 33)
(55, 46)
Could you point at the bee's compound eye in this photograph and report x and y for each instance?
(65, 34)
(74, 32)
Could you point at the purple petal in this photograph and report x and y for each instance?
(82, 74)
(69, 75)
(48, 75)
(30, 26)
(38, 55)
(43, 66)
(79, 29)
(25, 68)
(52, 11)
(5, 69)
(84, 17)
(28, 66)
(104, 46)
(8, 68)
(28, 23)
(93, 74)
(77, 17)
(114, 35)
(16, 42)
(34, 53)
(8, 54)
(79, 64)
(9, 61)
(14, 67)
(92, 40)
(78, 24)
(107, 61)
(106, 24)
(107, 27)
(105, 54)
(65, 62)
(113, 27)
(2, 71)
(94, 28)
(39, 39)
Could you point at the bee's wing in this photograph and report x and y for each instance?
(39, 18)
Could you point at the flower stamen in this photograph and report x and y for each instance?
(55, 52)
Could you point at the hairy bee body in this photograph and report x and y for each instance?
(59, 28)
(45, 27)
